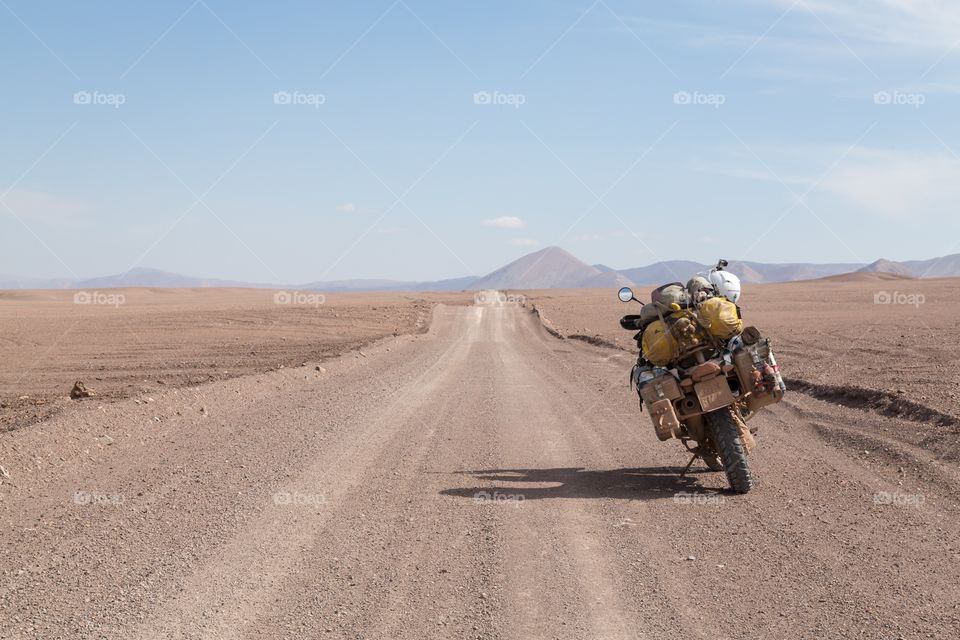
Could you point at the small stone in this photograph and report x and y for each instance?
(691, 557)
(80, 391)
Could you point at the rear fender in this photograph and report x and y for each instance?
(714, 393)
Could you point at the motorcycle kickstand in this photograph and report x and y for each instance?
(689, 464)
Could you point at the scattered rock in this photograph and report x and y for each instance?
(320, 369)
(691, 558)
(80, 391)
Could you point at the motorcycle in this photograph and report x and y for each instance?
(710, 389)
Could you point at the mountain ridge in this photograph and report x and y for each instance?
(551, 267)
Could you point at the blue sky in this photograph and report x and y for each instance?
(297, 141)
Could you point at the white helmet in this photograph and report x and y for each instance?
(726, 284)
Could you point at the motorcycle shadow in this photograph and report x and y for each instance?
(645, 483)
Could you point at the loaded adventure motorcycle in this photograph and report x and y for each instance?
(700, 374)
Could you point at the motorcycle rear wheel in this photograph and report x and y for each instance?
(725, 433)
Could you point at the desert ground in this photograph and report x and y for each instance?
(869, 337)
(474, 475)
(125, 342)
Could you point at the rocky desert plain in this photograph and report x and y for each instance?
(458, 465)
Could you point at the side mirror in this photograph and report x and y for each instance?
(626, 294)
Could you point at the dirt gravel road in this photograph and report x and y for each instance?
(484, 480)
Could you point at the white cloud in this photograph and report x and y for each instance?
(918, 23)
(524, 242)
(761, 174)
(836, 29)
(897, 183)
(505, 222)
(892, 183)
(347, 207)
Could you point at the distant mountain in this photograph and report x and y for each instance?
(548, 268)
(945, 267)
(887, 266)
(758, 273)
(606, 280)
(454, 284)
(156, 278)
(19, 282)
(866, 276)
(748, 272)
(663, 272)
